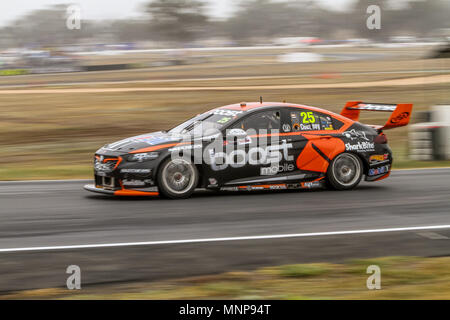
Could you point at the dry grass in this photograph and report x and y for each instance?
(401, 278)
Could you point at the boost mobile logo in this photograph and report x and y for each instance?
(255, 156)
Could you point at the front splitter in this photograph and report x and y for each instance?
(121, 192)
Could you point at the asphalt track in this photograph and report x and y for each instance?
(46, 226)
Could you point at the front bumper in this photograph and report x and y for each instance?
(93, 188)
(121, 192)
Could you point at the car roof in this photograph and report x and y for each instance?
(255, 106)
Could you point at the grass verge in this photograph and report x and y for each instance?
(401, 278)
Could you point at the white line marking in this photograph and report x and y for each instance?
(277, 236)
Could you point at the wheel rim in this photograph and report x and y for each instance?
(346, 169)
(178, 176)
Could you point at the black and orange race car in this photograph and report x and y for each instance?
(252, 146)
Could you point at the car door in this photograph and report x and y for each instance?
(245, 154)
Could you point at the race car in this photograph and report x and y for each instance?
(252, 146)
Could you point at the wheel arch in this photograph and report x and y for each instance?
(167, 156)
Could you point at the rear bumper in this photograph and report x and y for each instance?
(120, 192)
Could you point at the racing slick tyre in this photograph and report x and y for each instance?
(345, 171)
(177, 178)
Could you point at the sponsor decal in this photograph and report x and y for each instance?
(269, 171)
(243, 141)
(141, 157)
(376, 107)
(224, 120)
(327, 123)
(400, 117)
(379, 170)
(230, 189)
(312, 184)
(254, 156)
(236, 132)
(378, 158)
(286, 127)
(226, 112)
(212, 182)
(136, 183)
(153, 140)
(136, 170)
(183, 148)
(306, 127)
(255, 188)
(278, 187)
(360, 146)
(353, 134)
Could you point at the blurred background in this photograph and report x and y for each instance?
(77, 75)
(74, 76)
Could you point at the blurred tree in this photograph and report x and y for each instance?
(356, 19)
(414, 17)
(423, 17)
(130, 31)
(177, 20)
(46, 27)
(254, 21)
(267, 19)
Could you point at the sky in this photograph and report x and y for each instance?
(116, 9)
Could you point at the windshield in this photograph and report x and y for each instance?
(215, 119)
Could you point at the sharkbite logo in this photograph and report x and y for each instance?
(360, 146)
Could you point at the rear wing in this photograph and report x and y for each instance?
(401, 113)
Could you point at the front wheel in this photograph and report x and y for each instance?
(345, 171)
(177, 178)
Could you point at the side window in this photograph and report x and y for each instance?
(267, 120)
(304, 120)
(337, 124)
(326, 122)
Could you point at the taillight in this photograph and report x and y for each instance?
(381, 139)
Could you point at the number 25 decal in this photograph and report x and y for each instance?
(308, 117)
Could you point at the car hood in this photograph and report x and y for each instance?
(143, 141)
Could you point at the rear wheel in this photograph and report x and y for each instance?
(345, 172)
(177, 178)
